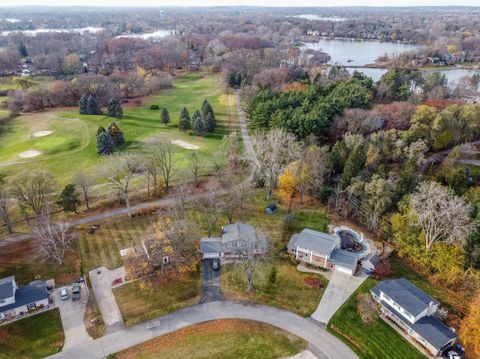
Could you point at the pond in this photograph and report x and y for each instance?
(154, 35)
(38, 31)
(319, 17)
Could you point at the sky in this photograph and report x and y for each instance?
(293, 3)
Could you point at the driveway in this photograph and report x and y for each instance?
(326, 345)
(339, 289)
(72, 314)
(101, 280)
(211, 290)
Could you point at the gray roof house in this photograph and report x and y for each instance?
(236, 238)
(16, 300)
(414, 311)
(370, 262)
(322, 250)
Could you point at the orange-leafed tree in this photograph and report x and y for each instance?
(470, 330)
(287, 186)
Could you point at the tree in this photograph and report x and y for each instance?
(442, 216)
(53, 240)
(378, 195)
(32, 189)
(165, 117)
(164, 154)
(5, 207)
(119, 171)
(287, 185)
(105, 144)
(197, 123)
(23, 82)
(210, 123)
(211, 208)
(114, 109)
(235, 196)
(116, 134)
(68, 198)
(85, 182)
(82, 105)
(470, 329)
(150, 165)
(184, 122)
(92, 106)
(195, 166)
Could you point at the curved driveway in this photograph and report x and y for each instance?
(326, 345)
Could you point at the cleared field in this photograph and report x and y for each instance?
(74, 136)
(35, 337)
(222, 339)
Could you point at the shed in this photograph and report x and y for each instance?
(271, 209)
(370, 262)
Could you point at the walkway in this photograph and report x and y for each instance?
(101, 280)
(340, 287)
(329, 346)
(252, 156)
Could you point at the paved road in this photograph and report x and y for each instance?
(252, 156)
(339, 289)
(327, 346)
(211, 289)
(72, 314)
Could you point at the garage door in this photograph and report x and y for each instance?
(343, 269)
(211, 255)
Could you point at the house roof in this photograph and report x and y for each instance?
(429, 328)
(211, 245)
(6, 287)
(31, 293)
(344, 259)
(318, 242)
(404, 293)
(245, 233)
(372, 258)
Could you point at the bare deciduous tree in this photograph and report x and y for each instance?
(211, 207)
(194, 166)
(85, 182)
(441, 215)
(5, 209)
(164, 154)
(150, 165)
(235, 196)
(53, 240)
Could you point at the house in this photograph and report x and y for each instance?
(16, 300)
(322, 250)
(236, 241)
(414, 311)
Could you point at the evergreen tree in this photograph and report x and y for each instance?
(105, 143)
(92, 106)
(198, 126)
(184, 123)
(196, 114)
(82, 105)
(114, 108)
(209, 123)
(69, 198)
(165, 116)
(100, 130)
(184, 114)
(116, 134)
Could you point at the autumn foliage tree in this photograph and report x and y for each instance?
(470, 330)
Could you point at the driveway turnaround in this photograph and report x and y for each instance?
(340, 287)
(329, 346)
(101, 280)
(211, 290)
(72, 314)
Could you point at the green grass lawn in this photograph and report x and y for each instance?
(222, 339)
(138, 305)
(74, 136)
(34, 337)
(287, 291)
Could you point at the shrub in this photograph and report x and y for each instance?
(311, 282)
(154, 107)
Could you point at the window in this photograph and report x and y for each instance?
(31, 306)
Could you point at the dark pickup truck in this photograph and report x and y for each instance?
(76, 292)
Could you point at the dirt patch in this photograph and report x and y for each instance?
(29, 154)
(184, 144)
(41, 133)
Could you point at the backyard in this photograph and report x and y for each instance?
(222, 339)
(35, 337)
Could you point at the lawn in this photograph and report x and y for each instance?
(19, 259)
(74, 136)
(138, 305)
(35, 337)
(222, 339)
(286, 291)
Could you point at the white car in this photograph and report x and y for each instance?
(453, 355)
(64, 293)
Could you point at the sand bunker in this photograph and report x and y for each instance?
(42, 133)
(30, 154)
(184, 144)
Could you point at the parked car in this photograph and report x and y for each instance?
(453, 355)
(76, 292)
(215, 265)
(64, 293)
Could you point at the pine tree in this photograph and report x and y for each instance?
(105, 143)
(92, 106)
(198, 126)
(82, 105)
(116, 134)
(69, 198)
(209, 123)
(114, 108)
(184, 123)
(100, 130)
(196, 114)
(165, 117)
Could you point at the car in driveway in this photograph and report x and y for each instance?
(215, 264)
(76, 292)
(64, 293)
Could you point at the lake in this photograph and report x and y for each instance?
(318, 17)
(359, 53)
(38, 31)
(154, 35)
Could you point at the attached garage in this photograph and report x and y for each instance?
(211, 247)
(344, 261)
